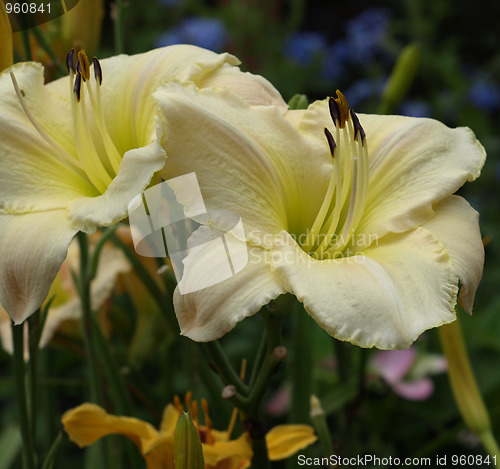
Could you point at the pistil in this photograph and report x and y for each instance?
(346, 196)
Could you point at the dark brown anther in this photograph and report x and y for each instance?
(69, 61)
(97, 70)
(357, 127)
(331, 142)
(84, 63)
(78, 86)
(334, 112)
(342, 108)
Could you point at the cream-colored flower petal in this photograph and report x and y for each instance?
(284, 441)
(207, 314)
(253, 89)
(88, 423)
(385, 297)
(136, 170)
(413, 163)
(456, 225)
(31, 176)
(248, 159)
(137, 77)
(112, 263)
(32, 250)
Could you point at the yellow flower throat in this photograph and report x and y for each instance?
(346, 196)
(97, 159)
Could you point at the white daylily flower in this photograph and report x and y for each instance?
(361, 225)
(75, 152)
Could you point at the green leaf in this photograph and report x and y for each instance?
(188, 453)
(10, 445)
(298, 101)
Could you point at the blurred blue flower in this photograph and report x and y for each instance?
(362, 90)
(415, 109)
(303, 47)
(366, 32)
(337, 57)
(485, 95)
(209, 33)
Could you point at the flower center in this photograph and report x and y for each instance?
(96, 151)
(97, 160)
(345, 199)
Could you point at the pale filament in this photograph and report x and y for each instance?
(346, 195)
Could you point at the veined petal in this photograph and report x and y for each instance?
(247, 159)
(32, 250)
(88, 423)
(284, 441)
(385, 297)
(136, 170)
(413, 163)
(253, 89)
(112, 263)
(31, 177)
(137, 76)
(456, 225)
(207, 314)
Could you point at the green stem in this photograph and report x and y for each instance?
(259, 358)
(464, 386)
(226, 371)
(117, 388)
(51, 455)
(33, 338)
(29, 456)
(95, 391)
(162, 299)
(302, 366)
(46, 46)
(260, 458)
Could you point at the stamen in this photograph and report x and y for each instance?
(178, 404)
(208, 422)
(61, 155)
(113, 156)
(349, 180)
(357, 127)
(83, 60)
(194, 412)
(188, 399)
(334, 111)
(97, 70)
(331, 142)
(78, 86)
(69, 61)
(343, 108)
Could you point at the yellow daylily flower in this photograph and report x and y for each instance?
(88, 423)
(6, 51)
(65, 307)
(358, 221)
(76, 151)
